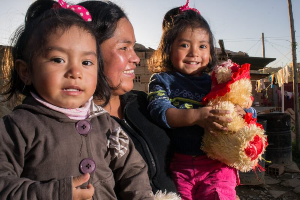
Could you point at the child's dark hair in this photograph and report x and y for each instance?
(42, 20)
(105, 17)
(174, 23)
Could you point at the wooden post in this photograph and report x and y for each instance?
(295, 68)
(263, 44)
(282, 97)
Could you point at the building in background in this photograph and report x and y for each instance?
(142, 74)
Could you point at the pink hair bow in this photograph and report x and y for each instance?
(80, 10)
(186, 7)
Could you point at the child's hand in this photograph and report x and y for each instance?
(240, 111)
(78, 193)
(212, 119)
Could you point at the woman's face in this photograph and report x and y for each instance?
(119, 57)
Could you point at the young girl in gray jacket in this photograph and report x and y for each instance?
(58, 144)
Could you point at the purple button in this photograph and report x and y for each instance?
(83, 127)
(87, 165)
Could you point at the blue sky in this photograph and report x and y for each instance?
(240, 23)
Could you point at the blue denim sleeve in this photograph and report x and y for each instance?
(251, 110)
(158, 100)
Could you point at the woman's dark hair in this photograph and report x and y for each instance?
(105, 17)
(42, 20)
(174, 23)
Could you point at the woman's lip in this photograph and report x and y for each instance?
(128, 72)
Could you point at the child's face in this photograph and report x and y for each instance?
(65, 73)
(190, 51)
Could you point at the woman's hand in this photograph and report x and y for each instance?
(81, 194)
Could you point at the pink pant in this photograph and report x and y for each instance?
(203, 178)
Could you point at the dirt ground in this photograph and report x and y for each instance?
(281, 187)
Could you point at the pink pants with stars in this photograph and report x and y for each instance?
(203, 178)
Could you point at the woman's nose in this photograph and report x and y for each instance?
(134, 58)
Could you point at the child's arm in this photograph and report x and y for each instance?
(129, 168)
(205, 117)
(242, 111)
(159, 101)
(251, 110)
(167, 115)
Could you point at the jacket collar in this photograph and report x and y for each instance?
(32, 105)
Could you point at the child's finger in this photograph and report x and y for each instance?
(84, 193)
(217, 126)
(213, 133)
(79, 180)
(220, 119)
(219, 112)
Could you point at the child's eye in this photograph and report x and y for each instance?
(184, 45)
(88, 63)
(203, 46)
(58, 60)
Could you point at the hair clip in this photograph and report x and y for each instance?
(80, 10)
(186, 7)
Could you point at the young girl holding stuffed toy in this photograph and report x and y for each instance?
(58, 144)
(181, 65)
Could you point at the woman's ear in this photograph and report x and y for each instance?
(23, 71)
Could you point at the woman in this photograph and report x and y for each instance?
(128, 107)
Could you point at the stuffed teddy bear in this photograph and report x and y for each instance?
(243, 144)
(160, 195)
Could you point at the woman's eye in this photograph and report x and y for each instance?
(124, 48)
(58, 60)
(88, 63)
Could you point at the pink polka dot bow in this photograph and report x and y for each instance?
(80, 10)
